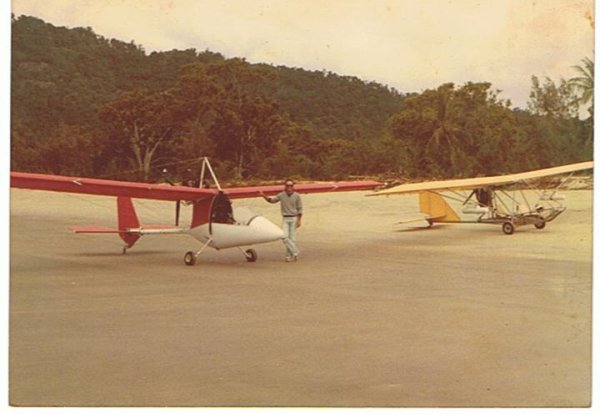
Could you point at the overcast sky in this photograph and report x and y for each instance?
(407, 44)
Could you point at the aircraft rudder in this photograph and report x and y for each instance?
(436, 208)
(128, 219)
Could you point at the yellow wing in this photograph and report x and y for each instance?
(480, 182)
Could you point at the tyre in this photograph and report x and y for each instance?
(508, 227)
(190, 258)
(251, 255)
(540, 224)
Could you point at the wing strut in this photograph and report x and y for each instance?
(206, 165)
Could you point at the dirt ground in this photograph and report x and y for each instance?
(372, 315)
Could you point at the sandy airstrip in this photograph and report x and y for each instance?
(371, 315)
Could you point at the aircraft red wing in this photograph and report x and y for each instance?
(95, 186)
(214, 221)
(489, 199)
(247, 192)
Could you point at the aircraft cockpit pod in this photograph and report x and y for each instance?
(484, 197)
(248, 228)
(221, 210)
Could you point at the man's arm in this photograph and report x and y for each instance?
(272, 200)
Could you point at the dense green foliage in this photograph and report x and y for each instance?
(86, 105)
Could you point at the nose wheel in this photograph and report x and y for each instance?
(251, 255)
(190, 257)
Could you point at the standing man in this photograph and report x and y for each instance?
(291, 210)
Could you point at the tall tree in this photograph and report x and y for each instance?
(245, 133)
(429, 125)
(555, 128)
(140, 122)
(246, 122)
(552, 100)
(584, 83)
(444, 136)
(452, 131)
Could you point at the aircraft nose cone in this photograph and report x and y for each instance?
(265, 229)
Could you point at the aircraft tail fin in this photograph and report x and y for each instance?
(128, 219)
(436, 208)
(129, 228)
(129, 224)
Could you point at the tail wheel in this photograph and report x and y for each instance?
(540, 224)
(190, 258)
(251, 255)
(508, 227)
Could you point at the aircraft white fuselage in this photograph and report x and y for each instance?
(247, 230)
(243, 228)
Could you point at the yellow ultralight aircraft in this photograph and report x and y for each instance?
(493, 200)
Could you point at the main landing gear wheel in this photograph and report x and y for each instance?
(190, 258)
(540, 224)
(251, 255)
(508, 227)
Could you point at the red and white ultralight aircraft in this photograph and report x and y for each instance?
(214, 222)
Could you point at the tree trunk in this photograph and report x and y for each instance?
(240, 164)
(135, 146)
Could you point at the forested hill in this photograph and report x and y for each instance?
(62, 75)
(335, 106)
(83, 104)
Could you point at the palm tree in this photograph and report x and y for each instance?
(444, 139)
(585, 83)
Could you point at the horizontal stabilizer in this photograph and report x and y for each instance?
(149, 229)
(416, 220)
(94, 229)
